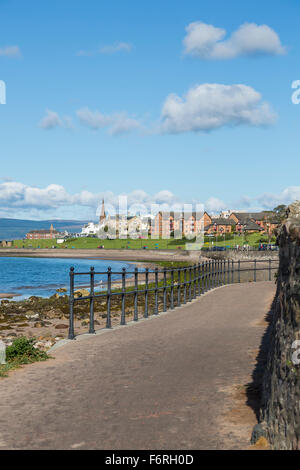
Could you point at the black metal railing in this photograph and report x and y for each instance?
(166, 288)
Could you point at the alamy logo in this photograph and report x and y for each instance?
(296, 94)
(2, 353)
(2, 92)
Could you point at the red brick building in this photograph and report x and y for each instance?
(43, 234)
(167, 223)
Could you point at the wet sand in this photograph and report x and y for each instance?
(118, 255)
(8, 296)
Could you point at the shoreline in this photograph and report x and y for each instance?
(115, 283)
(114, 255)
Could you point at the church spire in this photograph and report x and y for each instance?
(102, 215)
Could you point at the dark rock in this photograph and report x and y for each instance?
(61, 326)
(259, 431)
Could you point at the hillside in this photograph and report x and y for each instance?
(14, 229)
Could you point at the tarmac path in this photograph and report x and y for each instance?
(163, 383)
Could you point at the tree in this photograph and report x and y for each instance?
(280, 212)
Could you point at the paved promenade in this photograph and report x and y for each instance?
(171, 382)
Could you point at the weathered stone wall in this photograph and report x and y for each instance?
(280, 412)
(241, 255)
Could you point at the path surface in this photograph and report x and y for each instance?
(163, 383)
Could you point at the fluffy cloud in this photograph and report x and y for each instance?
(52, 120)
(93, 119)
(287, 196)
(20, 200)
(16, 198)
(10, 51)
(207, 42)
(211, 106)
(119, 46)
(118, 123)
(214, 204)
(108, 49)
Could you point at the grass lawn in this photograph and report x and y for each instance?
(92, 243)
(252, 239)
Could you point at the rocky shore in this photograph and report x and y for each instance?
(47, 319)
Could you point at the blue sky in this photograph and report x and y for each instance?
(92, 104)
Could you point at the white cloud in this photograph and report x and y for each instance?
(108, 49)
(214, 204)
(287, 196)
(117, 123)
(113, 48)
(51, 120)
(211, 106)
(16, 197)
(122, 123)
(20, 200)
(93, 119)
(207, 42)
(10, 51)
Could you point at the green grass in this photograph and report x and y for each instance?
(21, 352)
(253, 239)
(138, 244)
(92, 243)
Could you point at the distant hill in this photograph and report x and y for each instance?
(15, 229)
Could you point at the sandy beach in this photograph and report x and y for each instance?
(120, 255)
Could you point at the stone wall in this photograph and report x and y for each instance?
(241, 255)
(280, 407)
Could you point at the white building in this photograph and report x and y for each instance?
(117, 226)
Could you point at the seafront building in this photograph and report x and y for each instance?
(45, 234)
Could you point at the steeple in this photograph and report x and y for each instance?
(102, 215)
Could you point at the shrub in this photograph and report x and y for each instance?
(23, 351)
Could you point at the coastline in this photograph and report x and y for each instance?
(114, 255)
(115, 283)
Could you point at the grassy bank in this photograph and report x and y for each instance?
(228, 240)
(22, 351)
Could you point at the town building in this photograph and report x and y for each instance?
(45, 234)
(255, 221)
(168, 224)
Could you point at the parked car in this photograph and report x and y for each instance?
(267, 246)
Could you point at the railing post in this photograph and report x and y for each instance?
(165, 291)
(172, 290)
(228, 271)
(184, 286)
(232, 271)
(209, 275)
(92, 286)
(123, 316)
(198, 280)
(190, 284)
(146, 292)
(136, 286)
(194, 281)
(255, 270)
(270, 269)
(156, 292)
(239, 271)
(179, 288)
(108, 318)
(214, 273)
(71, 305)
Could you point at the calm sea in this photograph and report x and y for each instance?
(42, 276)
